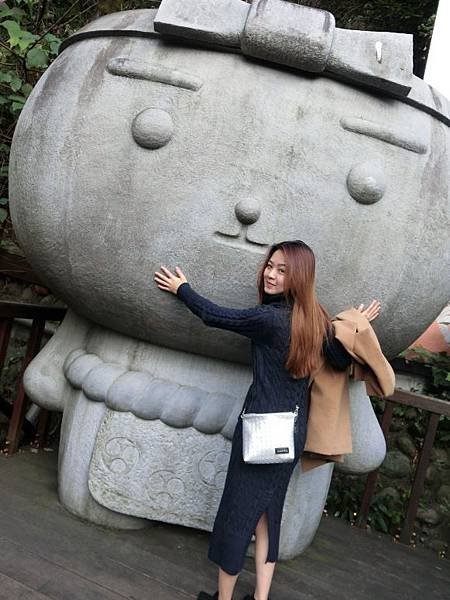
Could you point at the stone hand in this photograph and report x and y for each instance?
(372, 311)
(168, 281)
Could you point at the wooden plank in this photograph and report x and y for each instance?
(419, 478)
(18, 267)
(434, 405)
(25, 310)
(20, 401)
(41, 430)
(11, 589)
(5, 334)
(343, 562)
(113, 580)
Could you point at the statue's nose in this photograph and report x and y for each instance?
(247, 211)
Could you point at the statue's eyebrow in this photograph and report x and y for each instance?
(137, 69)
(403, 139)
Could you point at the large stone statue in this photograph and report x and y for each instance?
(198, 137)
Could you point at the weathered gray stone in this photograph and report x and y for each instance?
(439, 456)
(294, 35)
(438, 545)
(432, 476)
(208, 124)
(288, 34)
(397, 424)
(27, 295)
(368, 56)
(396, 465)
(407, 445)
(410, 412)
(212, 21)
(368, 443)
(428, 516)
(388, 492)
(443, 494)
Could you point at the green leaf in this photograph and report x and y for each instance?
(16, 13)
(17, 98)
(3, 100)
(4, 171)
(6, 77)
(26, 40)
(14, 31)
(16, 83)
(54, 42)
(15, 106)
(26, 89)
(18, 36)
(3, 201)
(37, 57)
(54, 47)
(3, 214)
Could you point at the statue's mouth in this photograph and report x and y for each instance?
(240, 240)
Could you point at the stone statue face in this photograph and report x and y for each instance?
(132, 153)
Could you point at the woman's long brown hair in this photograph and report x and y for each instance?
(310, 322)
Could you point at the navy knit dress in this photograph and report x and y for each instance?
(250, 490)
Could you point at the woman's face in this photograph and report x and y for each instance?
(274, 273)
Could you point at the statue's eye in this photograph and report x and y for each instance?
(366, 182)
(152, 128)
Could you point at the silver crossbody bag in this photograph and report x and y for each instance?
(268, 437)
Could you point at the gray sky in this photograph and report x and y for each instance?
(437, 72)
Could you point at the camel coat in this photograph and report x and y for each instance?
(329, 432)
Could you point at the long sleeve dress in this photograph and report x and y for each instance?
(252, 489)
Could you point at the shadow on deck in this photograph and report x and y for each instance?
(48, 553)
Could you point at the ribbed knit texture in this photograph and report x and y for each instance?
(250, 490)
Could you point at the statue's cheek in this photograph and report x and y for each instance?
(152, 128)
(366, 182)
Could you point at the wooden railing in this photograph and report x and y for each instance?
(39, 315)
(435, 408)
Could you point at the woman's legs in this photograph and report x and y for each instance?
(264, 571)
(226, 584)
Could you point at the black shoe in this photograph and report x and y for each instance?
(205, 596)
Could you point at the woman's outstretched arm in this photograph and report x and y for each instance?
(335, 353)
(254, 322)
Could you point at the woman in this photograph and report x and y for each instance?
(290, 333)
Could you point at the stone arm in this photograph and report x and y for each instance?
(254, 323)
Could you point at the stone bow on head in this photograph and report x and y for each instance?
(296, 36)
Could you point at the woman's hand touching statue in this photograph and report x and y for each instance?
(372, 311)
(168, 281)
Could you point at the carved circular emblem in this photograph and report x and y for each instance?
(164, 489)
(120, 455)
(212, 467)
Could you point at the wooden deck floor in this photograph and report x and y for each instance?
(45, 552)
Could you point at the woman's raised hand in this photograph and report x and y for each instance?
(168, 281)
(372, 311)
